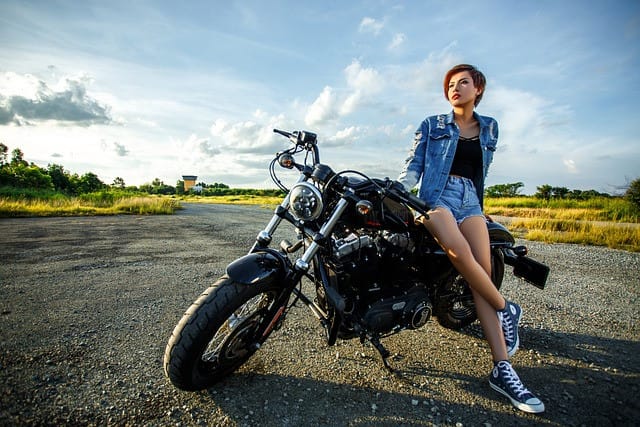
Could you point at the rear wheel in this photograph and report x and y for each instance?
(219, 332)
(456, 308)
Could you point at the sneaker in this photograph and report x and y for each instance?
(504, 380)
(509, 319)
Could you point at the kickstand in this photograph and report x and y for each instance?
(384, 353)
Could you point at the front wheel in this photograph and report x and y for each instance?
(456, 308)
(221, 330)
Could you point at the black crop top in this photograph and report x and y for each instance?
(468, 158)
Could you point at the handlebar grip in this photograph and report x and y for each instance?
(415, 202)
(282, 132)
(418, 203)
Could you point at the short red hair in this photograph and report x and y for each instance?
(479, 81)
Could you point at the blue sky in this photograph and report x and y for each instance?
(157, 89)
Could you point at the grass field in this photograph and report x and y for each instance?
(610, 222)
(81, 207)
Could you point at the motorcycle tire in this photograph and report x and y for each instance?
(221, 330)
(456, 309)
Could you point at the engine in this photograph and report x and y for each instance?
(374, 274)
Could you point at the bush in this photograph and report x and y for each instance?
(633, 193)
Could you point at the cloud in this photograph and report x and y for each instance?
(570, 165)
(249, 136)
(26, 99)
(343, 137)
(120, 149)
(528, 119)
(361, 84)
(370, 25)
(397, 41)
(323, 108)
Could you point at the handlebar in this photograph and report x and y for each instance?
(412, 200)
(305, 139)
(299, 137)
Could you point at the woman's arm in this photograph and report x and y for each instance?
(414, 164)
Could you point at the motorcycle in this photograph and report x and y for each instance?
(374, 269)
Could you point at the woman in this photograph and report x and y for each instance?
(451, 154)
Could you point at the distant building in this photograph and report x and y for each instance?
(189, 181)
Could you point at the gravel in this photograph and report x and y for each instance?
(88, 304)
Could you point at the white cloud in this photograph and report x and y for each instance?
(364, 79)
(361, 84)
(345, 136)
(25, 99)
(570, 165)
(370, 25)
(322, 109)
(398, 40)
(120, 149)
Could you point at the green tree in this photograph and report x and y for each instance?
(559, 192)
(543, 192)
(504, 190)
(17, 158)
(118, 183)
(22, 175)
(180, 187)
(89, 183)
(4, 153)
(60, 178)
(633, 192)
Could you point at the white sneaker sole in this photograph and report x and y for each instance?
(524, 407)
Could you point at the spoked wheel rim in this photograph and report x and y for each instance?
(237, 338)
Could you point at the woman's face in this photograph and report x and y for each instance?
(461, 90)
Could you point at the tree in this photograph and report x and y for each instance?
(24, 176)
(4, 153)
(180, 187)
(543, 192)
(90, 183)
(118, 183)
(504, 190)
(60, 178)
(559, 192)
(17, 158)
(633, 192)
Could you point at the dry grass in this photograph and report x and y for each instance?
(77, 207)
(263, 201)
(612, 235)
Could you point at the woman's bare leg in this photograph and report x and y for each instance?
(474, 229)
(444, 228)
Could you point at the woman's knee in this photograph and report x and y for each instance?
(459, 252)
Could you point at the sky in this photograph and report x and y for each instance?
(159, 89)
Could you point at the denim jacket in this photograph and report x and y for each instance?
(434, 147)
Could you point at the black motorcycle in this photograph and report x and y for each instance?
(375, 272)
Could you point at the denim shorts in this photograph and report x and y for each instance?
(460, 198)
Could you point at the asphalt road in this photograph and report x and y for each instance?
(88, 304)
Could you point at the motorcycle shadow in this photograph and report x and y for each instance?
(582, 379)
(277, 400)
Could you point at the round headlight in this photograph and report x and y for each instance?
(305, 201)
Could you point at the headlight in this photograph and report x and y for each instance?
(305, 201)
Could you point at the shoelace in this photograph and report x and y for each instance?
(512, 380)
(507, 325)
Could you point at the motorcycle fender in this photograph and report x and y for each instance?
(499, 234)
(255, 268)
